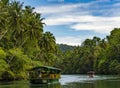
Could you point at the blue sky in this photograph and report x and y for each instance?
(72, 21)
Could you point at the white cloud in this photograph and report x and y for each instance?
(86, 8)
(96, 24)
(54, 9)
(60, 8)
(81, 16)
(72, 40)
(59, 20)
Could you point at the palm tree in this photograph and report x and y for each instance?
(48, 42)
(34, 26)
(3, 17)
(16, 22)
(47, 46)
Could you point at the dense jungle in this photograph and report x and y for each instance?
(24, 44)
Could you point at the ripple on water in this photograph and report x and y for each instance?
(83, 78)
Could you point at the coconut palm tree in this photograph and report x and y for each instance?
(34, 26)
(16, 22)
(3, 17)
(48, 42)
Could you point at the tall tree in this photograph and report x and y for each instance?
(47, 42)
(47, 46)
(4, 15)
(34, 26)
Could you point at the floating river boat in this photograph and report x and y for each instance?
(44, 75)
(91, 74)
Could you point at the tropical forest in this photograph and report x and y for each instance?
(24, 44)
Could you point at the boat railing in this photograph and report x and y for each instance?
(46, 76)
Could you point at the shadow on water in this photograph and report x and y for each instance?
(55, 85)
(26, 84)
(14, 84)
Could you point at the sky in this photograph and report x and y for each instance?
(73, 21)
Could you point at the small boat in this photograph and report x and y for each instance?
(44, 75)
(91, 74)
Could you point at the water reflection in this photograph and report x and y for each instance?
(55, 85)
(14, 84)
(80, 85)
(95, 84)
(70, 81)
(26, 84)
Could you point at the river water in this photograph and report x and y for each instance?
(71, 81)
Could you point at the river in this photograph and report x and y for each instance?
(71, 81)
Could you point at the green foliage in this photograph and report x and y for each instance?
(31, 48)
(99, 55)
(65, 47)
(2, 54)
(17, 60)
(103, 64)
(47, 42)
(7, 76)
(21, 75)
(118, 69)
(113, 66)
(3, 64)
(114, 37)
(21, 29)
(36, 63)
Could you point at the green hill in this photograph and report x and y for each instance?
(65, 47)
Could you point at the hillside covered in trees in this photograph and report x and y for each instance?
(65, 47)
(99, 55)
(24, 44)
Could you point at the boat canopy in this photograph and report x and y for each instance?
(45, 68)
(91, 72)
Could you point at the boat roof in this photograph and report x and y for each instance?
(91, 72)
(44, 67)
